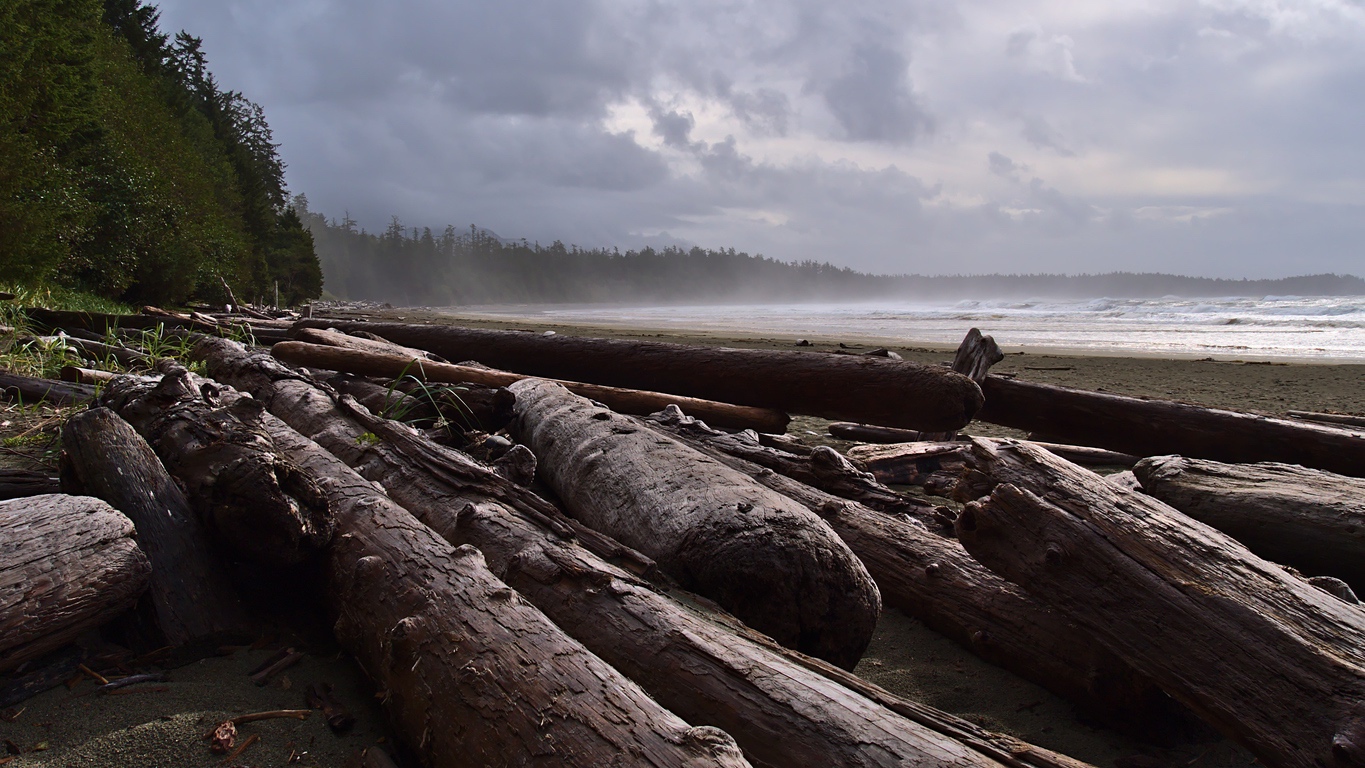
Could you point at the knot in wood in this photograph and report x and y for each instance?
(931, 570)
(981, 637)
(1053, 554)
(602, 416)
(745, 506)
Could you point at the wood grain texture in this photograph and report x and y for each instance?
(1307, 518)
(888, 392)
(67, 564)
(1267, 658)
(761, 556)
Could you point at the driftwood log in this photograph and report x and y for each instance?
(334, 338)
(254, 502)
(934, 466)
(889, 392)
(1159, 427)
(760, 555)
(1337, 419)
(77, 375)
(933, 579)
(192, 598)
(1264, 656)
(473, 674)
(28, 390)
(21, 483)
(1307, 518)
(625, 400)
(67, 564)
(783, 706)
(871, 433)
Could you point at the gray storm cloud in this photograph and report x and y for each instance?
(1216, 138)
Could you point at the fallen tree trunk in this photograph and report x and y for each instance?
(933, 579)
(333, 338)
(472, 674)
(782, 705)
(893, 393)
(871, 433)
(626, 400)
(27, 390)
(67, 564)
(933, 466)
(102, 456)
(1337, 419)
(761, 556)
(257, 504)
(22, 483)
(1307, 518)
(1262, 655)
(77, 375)
(99, 351)
(1158, 427)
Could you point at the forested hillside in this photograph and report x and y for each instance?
(127, 171)
(473, 266)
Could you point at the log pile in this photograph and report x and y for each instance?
(533, 574)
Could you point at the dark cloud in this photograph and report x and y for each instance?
(873, 100)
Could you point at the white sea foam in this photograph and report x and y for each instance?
(1303, 327)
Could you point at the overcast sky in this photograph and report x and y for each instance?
(1222, 138)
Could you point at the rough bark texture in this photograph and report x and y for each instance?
(27, 390)
(933, 579)
(1307, 518)
(472, 673)
(761, 556)
(1160, 427)
(820, 467)
(67, 564)
(625, 400)
(20, 483)
(1261, 654)
(787, 709)
(889, 392)
(190, 594)
(254, 502)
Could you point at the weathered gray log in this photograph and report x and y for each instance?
(257, 504)
(975, 355)
(67, 564)
(190, 593)
(761, 556)
(473, 674)
(889, 392)
(933, 579)
(1336, 419)
(626, 400)
(1159, 427)
(1264, 656)
(334, 338)
(935, 466)
(1307, 518)
(819, 467)
(783, 705)
(27, 390)
(21, 483)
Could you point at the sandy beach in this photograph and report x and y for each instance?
(163, 728)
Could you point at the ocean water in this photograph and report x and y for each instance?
(1327, 329)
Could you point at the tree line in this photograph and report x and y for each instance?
(411, 266)
(127, 171)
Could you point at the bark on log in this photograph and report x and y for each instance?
(1307, 518)
(933, 579)
(28, 390)
(624, 400)
(67, 564)
(1160, 427)
(1267, 658)
(190, 594)
(761, 556)
(22, 483)
(782, 705)
(473, 674)
(257, 504)
(893, 393)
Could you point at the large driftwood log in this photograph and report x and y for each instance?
(933, 579)
(782, 706)
(761, 556)
(472, 674)
(333, 338)
(28, 390)
(625, 400)
(1159, 427)
(256, 503)
(893, 393)
(67, 564)
(1264, 656)
(191, 596)
(1307, 518)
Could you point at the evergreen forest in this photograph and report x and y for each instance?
(127, 171)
